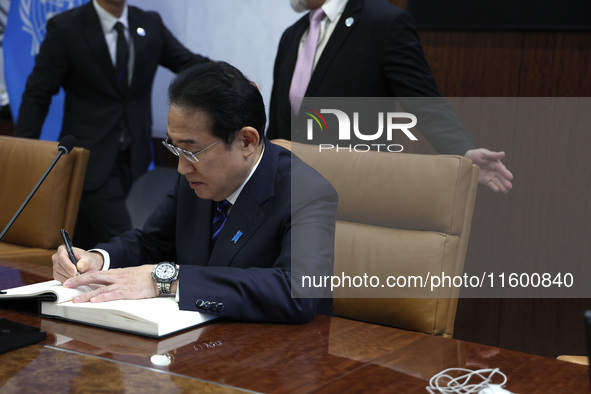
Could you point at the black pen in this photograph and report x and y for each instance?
(69, 248)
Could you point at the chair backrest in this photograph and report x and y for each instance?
(55, 204)
(403, 215)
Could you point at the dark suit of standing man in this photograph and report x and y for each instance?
(280, 225)
(113, 121)
(373, 51)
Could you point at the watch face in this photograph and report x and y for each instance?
(165, 271)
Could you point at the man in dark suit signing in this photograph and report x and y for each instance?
(368, 48)
(244, 221)
(105, 55)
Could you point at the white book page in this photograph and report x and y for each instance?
(152, 316)
(62, 293)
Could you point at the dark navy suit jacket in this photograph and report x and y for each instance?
(283, 234)
(74, 55)
(378, 55)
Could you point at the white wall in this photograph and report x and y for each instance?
(244, 33)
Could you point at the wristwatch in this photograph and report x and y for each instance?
(164, 274)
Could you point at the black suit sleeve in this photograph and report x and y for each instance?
(273, 131)
(175, 56)
(49, 73)
(410, 78)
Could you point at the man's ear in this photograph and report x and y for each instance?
(249, 138)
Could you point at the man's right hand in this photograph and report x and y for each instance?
(63, 268)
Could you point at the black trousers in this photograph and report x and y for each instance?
(103, 212)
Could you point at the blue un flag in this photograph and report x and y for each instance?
(25, 30)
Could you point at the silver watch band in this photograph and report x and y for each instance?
(163, 287)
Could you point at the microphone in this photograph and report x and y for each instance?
(65, 146)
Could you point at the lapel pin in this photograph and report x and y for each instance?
(349, 21)
(141, 31)
(237, 236)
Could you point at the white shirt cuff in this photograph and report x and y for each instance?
(106, 258)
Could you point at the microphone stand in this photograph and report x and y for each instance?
(18, 212)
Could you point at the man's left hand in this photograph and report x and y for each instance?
(119, 284)
(493, 172)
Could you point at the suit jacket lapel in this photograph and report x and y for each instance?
(335, 42)
(93, 32)
(244, 219)
(246, 215)
(199, 250)
(195, 214)
(140, 41)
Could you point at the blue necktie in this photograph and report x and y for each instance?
(219, 218)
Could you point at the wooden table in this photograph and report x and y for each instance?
(326, 355)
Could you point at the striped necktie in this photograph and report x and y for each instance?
(219, 218)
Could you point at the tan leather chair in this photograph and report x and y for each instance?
(583, 360)
(35, 235)
(398, 214)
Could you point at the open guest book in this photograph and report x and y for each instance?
(152, 317)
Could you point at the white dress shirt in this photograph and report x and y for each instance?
(108, 22)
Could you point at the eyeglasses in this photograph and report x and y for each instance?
(191, 156)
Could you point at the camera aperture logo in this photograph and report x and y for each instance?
(320, 121)
(347, 132)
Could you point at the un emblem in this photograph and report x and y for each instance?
(35, 13)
